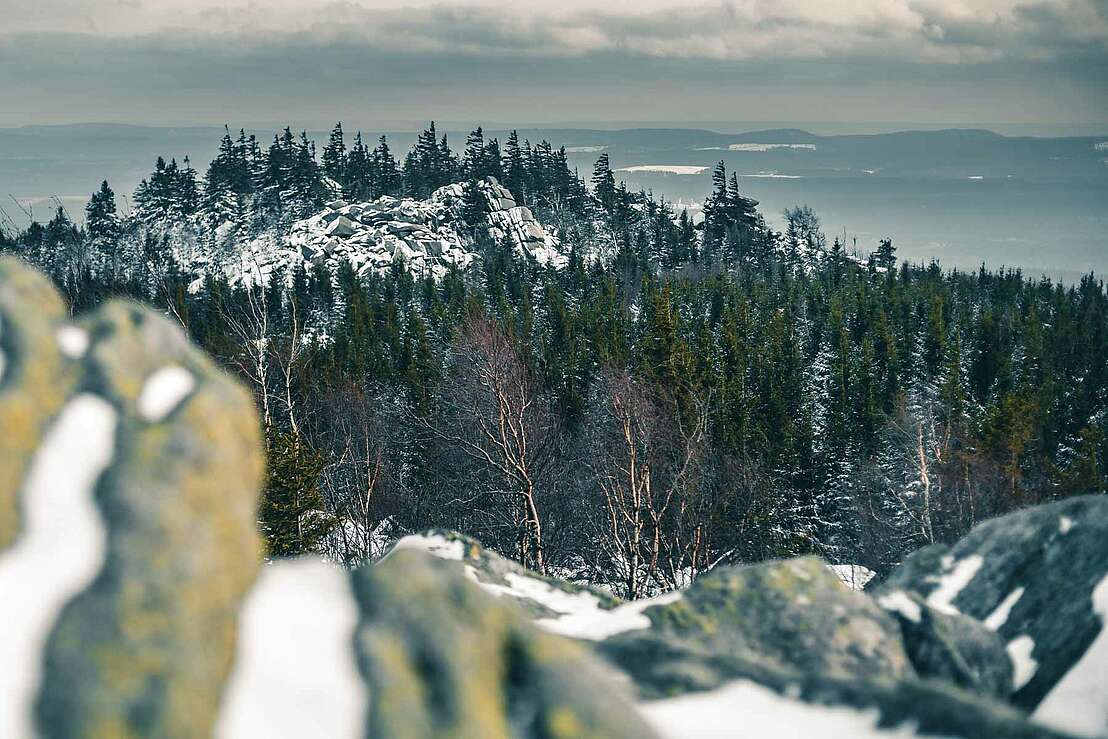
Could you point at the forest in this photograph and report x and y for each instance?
(682, 394)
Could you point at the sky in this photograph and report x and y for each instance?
(311, 62)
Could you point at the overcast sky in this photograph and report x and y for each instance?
(310, 62)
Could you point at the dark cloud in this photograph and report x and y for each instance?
(925, 60)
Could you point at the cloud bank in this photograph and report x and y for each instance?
(1055, 51)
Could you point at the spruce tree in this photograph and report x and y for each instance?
(102, 225)
(604, 183)
(293, 515)
(334, 156)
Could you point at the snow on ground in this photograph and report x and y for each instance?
(999, 617)
(744, 709)
(854, 577)
(1065, 523)
(579, 614)
(58, 553)
(1023, 664)
(295, 673)
(958, 575)
(72, 341)
(163, 391)
(585, 149)
(1079, 702)
(434, 544)
(899, 602)
(665, 169)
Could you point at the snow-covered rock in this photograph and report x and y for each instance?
(949, 646)
(430, 236)
(134, 466)
(1033, 578)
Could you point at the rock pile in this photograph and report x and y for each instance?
(429, 236)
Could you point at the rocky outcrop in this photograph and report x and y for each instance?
(508, 222)
(430, 237)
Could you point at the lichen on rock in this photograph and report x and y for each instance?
(444, 658)
(145, 650)
(36, 381)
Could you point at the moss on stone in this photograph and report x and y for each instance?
(36, 381)
(145, 651)
(445, 659)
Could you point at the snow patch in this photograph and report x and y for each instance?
(975, 177)
(436, 545)
(958, 576)
(1078, 703)
(899, 602)
(665, 169)
(58, 553)
(999, 617)
(854, 577)
(774, 176)
(579, 614)
(746, 709)
(295, 673)
(163, 391)
(1023, 664)
(768, 147)
(585, 149)
(1065, 523)
(72, 341)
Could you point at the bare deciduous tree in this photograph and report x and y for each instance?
(492, 413)
(649, 467)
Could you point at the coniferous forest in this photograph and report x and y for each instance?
(678, 395)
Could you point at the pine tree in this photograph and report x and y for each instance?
(335, 158)
(102, 226)
(360, 181)
(474, 211)
(293, 516)
(386, 170)
(515, 175)
(885, 256)
(473, 159)
(604, 183)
